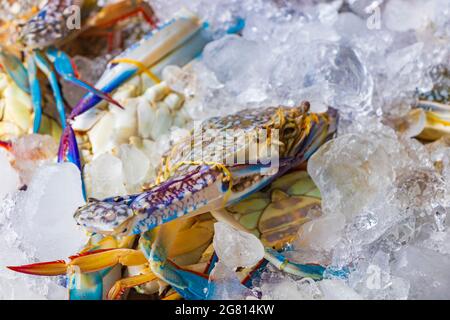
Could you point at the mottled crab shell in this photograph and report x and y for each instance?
(276, 214)
(203, 145)
(50, 24)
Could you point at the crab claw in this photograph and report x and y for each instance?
(52, 268)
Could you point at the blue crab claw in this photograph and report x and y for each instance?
(15, 69)
(65, 69)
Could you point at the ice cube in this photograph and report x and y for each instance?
(372, 278)
(321, 233)
(335, 289)
(427, 272)
(241, 65)
(402, 15)
(275, 286)
(236, 248)
(136, 167)
(105, 177)
(45, 211)
(224, 284)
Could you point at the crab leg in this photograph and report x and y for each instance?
(15, 69)
(68, 151)
(35, 92)
(120, 286)
(121, 10)
(51, 76)
(87, 286)
(189, 284)
(51, 268)
(90, 271)
(65, 69)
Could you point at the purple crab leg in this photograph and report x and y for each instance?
(65, 69)
(68, 151)
(51, 76)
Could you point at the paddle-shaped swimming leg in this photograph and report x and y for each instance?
(35, 91)
(63, 66)
(45, 67)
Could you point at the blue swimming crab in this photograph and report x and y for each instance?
(188, 186)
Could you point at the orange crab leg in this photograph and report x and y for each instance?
(86, 262)
(125, 9)
(101, 259)
(52, 268)
(117, 290)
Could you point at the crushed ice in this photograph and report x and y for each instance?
(385, 196)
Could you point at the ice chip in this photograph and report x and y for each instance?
(236, 248)
(105, 177)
